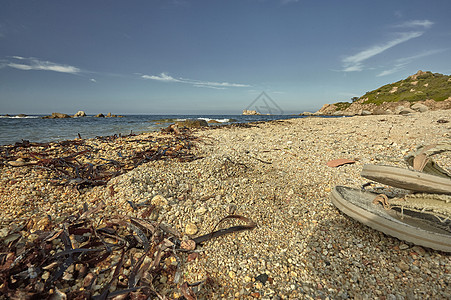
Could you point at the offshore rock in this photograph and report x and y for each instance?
(247, 112)
(57, 116)
(80, 113)
(100, 115)
(192, 123)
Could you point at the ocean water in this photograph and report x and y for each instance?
(35, 129)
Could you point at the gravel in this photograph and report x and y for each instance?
(275, 174)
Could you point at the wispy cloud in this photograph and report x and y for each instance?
(162, 77)
(354, 62)
(289, 1)
(426, 24)
(400, 63)
(197, 83)
(31, 63)
(412, 29)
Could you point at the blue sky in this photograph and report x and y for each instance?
(211, 57)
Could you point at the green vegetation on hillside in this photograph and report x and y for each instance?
(414, 88)
(342, 105)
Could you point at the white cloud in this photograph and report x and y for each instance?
(161, 77)
(394, 69)
(415, 24)
(400, 63)
(354, 62)
(31, 63)
(197, 83)
(92, 80)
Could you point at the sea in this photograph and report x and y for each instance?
(33, 128)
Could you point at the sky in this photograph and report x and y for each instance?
(211, 56)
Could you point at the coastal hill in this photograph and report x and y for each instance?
(419, 92)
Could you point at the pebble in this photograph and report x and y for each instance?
(191, 229)
(403, 266)
(403, 246)
(159, 200)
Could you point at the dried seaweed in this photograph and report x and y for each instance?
(76, 163)
(73, 250)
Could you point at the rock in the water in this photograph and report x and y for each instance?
(100, 115)
(57, 116)
(247, 112)
(80, 113)
(192, 123)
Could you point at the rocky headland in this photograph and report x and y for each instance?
(420, 92)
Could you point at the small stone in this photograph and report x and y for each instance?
(188, 244)
(247, 279)
(419, 250)
(159, 200)
(46, 275)
(4, 232)
(17, 163)
(163, 279)
(403, 246)
(232, 274)
(403, 266)
(262, 278)
(201, 210)
(191, 229)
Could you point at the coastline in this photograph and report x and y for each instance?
(275, 174)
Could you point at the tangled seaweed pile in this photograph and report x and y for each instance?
(87, 163)
(95, 256)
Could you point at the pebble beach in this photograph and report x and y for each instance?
(273, 173)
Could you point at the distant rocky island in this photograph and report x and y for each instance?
(79, 114)
(417, 93)
(248, 112)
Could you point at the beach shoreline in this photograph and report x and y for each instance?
(275, 174)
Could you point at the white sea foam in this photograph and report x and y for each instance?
(19, 117)
(217, 120)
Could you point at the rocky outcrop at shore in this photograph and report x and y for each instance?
(387, 108)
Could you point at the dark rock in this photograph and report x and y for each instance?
(192, 123)
(263, 278)
(100, 115)
(57, 116)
